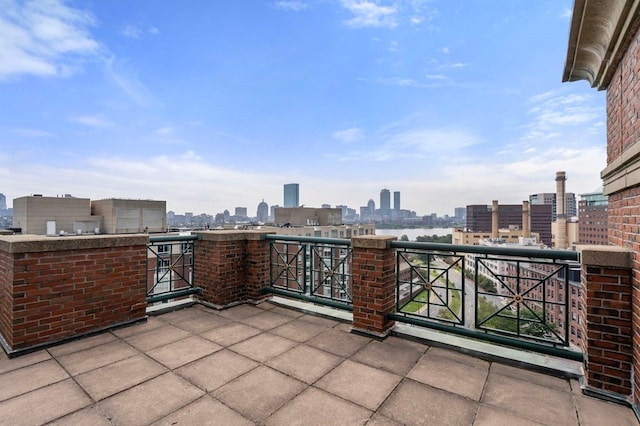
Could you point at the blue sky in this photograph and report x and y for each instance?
(215, 104)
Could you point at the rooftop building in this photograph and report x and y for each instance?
(291, 195)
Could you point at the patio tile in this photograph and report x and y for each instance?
(23, 380)
(113, 378)
(491, 416)
(181, 315)
(315, 407)
(98, 356)
(406, 343)
(240, 312)
(305, 363)
(299, 330)
(526, 399)
(263, 346)
(395, 359)
(323, 321)
(338, 342)
(531, 376)
(456, 356)
(44, 405)
(150, 401)
(286, 311)
(87, 416)
(82, 344)
(359, 383)
(183, 351)
(413, 403)
(380, 420)
(595, 412)
(230, 334)
(203, 412)
(7, 364)
(157, 337)
(267, 320)
(446, 374)
(142, 327)
(213, 371)
(259, 393)
(202, 323)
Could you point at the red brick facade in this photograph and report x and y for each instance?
(606, 277)
(374, 283)
(58, 288)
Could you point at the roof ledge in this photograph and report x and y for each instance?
(601, 31)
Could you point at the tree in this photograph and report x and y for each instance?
(404, 237)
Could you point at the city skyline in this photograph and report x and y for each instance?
(214, 104)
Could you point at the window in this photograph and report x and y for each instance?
(186, 248)
(579, 333)
(573, 331)
(164, 249)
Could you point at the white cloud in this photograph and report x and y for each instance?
(92, 121)
(31, 133)
(370, 14)
(131, 31)
(351, 135)
(164, 131)
(154, 30)
(128, 82)
(444, 50)
(291, 5)
(44, 38)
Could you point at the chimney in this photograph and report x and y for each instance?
(494, 221)
(561, 217)
(526, 226)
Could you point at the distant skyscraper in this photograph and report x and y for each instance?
(570, 207)
(3, 202)
(371, 205)
(460, 213)
(292, 195)
(396, 200)
(593, 221)
(385, 201)
(241, 212)
(263, 212)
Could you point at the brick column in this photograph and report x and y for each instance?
(56, 288)
(607, 316)
(258, 266)
(374, 283)
(220, 265)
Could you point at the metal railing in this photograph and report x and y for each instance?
(170, 265)
(312, 269)
(515, 296)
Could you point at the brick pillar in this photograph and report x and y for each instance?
(607, 316)
(56, 288)
(258, 266)
(374, 283)
(220, 266)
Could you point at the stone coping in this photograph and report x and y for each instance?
(41, 243)
(372, 241)
(608, 256)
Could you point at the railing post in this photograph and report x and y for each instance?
(607, 316)
(374, 283)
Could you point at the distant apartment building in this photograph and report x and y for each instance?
(39, 215)
(291, 195)
(593, 224)
(3, 202)
(396, 200)
(70, 215)
(570, 208)
(460, 213)
(302, 216)
(125, 216)
(479, 219)
(241, 212)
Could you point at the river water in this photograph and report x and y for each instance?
(413, 233)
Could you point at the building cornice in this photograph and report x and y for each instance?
(601, 31)
(622, 172)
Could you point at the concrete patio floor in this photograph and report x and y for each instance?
(270, 365)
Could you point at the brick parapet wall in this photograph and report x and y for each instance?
(607, 318)
(225, 267)
(374, 283)
(63, 287)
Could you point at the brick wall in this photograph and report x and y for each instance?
(374, 283)
(230, 266)
(607, 335)
(69, 286)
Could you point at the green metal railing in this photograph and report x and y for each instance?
(313, 269)
(170, 265)
(515, 296)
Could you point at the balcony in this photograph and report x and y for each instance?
(267, 364)
(330, 328)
